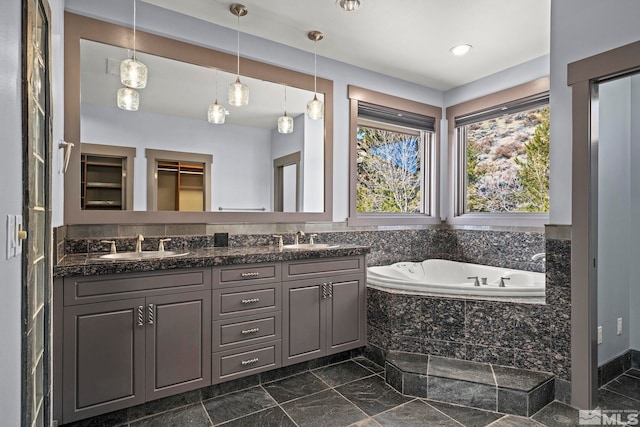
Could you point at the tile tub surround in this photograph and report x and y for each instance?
(471, 384)
(528, 336)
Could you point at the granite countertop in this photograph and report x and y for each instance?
(91, 264)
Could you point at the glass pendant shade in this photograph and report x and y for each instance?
(238, 94)
(128, 99)
(217, 113)
(133, 73)
(285, 124)
(315, 108)
(348, 5)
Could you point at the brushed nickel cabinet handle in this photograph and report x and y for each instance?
(250, 331)
(151, 314)
(140, 315)
(250, 300)
(250, 361)
(252, 274)
(330, 292)
(324, 291)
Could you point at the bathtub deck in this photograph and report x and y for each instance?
(477, 385)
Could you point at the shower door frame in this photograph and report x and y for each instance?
(583, 77)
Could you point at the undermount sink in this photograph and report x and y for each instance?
(144, 255)
(311, 246)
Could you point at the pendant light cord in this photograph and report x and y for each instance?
(238, 74)
(285, 100)
(134, 29)
(315, 67)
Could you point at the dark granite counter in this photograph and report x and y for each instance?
(91, 264)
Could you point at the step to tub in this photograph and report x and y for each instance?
(477, 385)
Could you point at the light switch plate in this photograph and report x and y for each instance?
(18, 227)
(11, 225)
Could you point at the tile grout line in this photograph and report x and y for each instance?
(206, 413)
(446, 415)
(495, 381)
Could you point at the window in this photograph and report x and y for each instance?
(393, 160)
(500, 157)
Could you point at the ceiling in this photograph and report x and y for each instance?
(407, 39)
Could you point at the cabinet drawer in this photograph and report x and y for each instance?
(233, 302)
(88, 289)
(246, 330)
(250, 274)
(307, 269)
(245, 361)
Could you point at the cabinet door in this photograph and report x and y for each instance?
(103, 358)
(178, 343)
(303, 322)
(346, 314)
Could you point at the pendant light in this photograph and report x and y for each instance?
(238, 92)
(128, 99)
(315, 107)
(133, 73)
(217, 113)
(285, 123)
(348, 5)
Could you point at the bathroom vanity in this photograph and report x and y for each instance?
(128, 332)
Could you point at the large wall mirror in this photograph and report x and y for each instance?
(233, 166)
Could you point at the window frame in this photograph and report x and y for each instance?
(457, 159)
(431, 178)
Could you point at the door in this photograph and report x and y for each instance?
(346, 314)
(36, 279)
(178, 340)
(103, 357)
(304, 329)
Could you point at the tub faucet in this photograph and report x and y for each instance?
(541, 255)
(502, 279)
(139, 240)
(476, 281)
(296, 240)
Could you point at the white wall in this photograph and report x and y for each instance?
(614, 219)
(164, 22)
(241, 170)
(634, 254)
(579, 29)
(11, 196)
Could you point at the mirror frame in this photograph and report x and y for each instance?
(79, 27)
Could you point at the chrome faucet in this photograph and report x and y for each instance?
(279, 237)
(502, 279)
(541, 255)
(161, 244)
(296, 240)
(139, 240)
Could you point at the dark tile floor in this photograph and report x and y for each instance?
(354, 393)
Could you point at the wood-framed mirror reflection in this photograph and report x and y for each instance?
(118, 125)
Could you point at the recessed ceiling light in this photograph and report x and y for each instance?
(460, 49)
(348, 5)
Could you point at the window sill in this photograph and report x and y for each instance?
(501, 219)
(392, 219)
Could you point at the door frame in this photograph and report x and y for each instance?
(583, 76)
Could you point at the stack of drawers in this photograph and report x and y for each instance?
(247, 320)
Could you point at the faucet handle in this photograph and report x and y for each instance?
(311, 236)
(502, 279)
(476, 282)
(161, 244)
(279, 237)
(112, 249)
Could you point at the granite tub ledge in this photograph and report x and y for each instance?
(91, 264)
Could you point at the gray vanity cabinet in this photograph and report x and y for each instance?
(323, 307)
(121, 351)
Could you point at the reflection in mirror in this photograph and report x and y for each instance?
(173, 116)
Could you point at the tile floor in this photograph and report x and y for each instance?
(353, 393)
